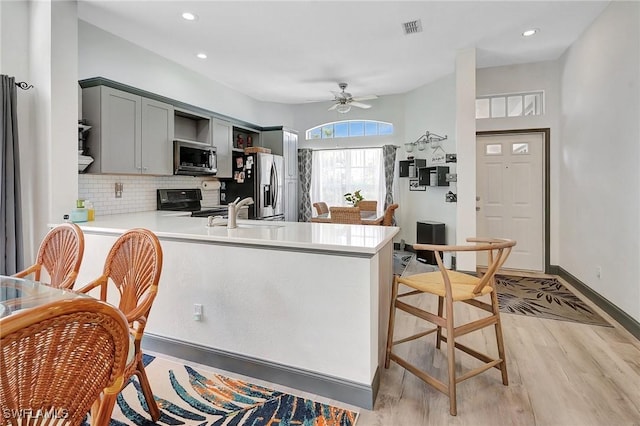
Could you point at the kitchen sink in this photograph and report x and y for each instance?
(259, 225)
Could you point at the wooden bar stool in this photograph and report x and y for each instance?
(450, 287)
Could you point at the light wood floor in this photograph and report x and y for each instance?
(560, 373)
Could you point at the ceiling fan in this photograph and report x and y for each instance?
(344, 100)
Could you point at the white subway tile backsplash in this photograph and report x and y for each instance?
(138, 193)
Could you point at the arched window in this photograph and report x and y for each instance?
(350, 129)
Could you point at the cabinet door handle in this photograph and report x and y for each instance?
(145, 168)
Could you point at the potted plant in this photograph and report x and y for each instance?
(353, 198)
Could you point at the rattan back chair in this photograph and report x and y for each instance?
(56, 360)
(60, 254)
(133, 268)
(321, 207)
(388, 215)
(450, 287)
(368, 205)
(348, 215)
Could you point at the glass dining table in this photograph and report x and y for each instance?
(19, 293)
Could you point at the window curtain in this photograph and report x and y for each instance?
(389, 155)
(11, 260)
(304, 172)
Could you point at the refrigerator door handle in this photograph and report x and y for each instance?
(276, 192)
(272, 182)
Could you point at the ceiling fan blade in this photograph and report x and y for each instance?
(365, 98)
(334, 106)
(360, 105)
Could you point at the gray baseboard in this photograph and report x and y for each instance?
(630, 324)
(331, 387)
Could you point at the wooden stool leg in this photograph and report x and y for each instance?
(451, 359)
(499, 340)
(439, 332)
(154, 411)
(392, 320)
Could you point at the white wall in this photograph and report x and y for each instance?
(599, 214)
(530, 77)
(14, 61)
(102, 54)
(431, 107)
(38, 46)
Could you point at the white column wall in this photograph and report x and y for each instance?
(466, 147)
(63, 105)
(599, 218)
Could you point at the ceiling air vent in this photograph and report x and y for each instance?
(412, 27)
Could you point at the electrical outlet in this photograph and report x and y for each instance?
(197, 312)
(598, 272)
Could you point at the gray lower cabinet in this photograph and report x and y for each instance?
(222, 140)
(130, 134)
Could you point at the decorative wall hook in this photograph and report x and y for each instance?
(423, 140)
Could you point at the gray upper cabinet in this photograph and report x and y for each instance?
(157, 137)
(222, 140)
(283, 142)
(130, 135)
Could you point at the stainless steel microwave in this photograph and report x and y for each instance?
(193, 158)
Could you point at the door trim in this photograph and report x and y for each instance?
(547, 182)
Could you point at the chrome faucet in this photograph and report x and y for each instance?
(234, 210)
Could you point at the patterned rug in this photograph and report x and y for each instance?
(544, 298)
(536, 297)
(187, 396)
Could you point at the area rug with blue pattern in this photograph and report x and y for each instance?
(192, 396)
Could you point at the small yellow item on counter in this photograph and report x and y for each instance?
(91, 213)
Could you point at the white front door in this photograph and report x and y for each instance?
(510, 195)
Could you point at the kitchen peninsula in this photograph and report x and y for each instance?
(300, 304)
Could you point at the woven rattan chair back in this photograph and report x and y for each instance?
(133, 268)
(388, 215)
(56, 361)
(368, 205)
(60, 254)
(133, 265)
(450, 287)
(347, 215)
(321, 207)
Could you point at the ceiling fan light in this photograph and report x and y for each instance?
(343, 108)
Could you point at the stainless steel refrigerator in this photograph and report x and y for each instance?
(260, 176)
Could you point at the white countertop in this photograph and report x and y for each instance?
(362, 239)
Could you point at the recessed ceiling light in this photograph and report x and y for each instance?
(202, 55)
(189, 16)
(530, 32)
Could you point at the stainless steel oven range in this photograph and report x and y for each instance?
(186, 200)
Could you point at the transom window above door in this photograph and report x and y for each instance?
(510, 105)
(350, 129)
